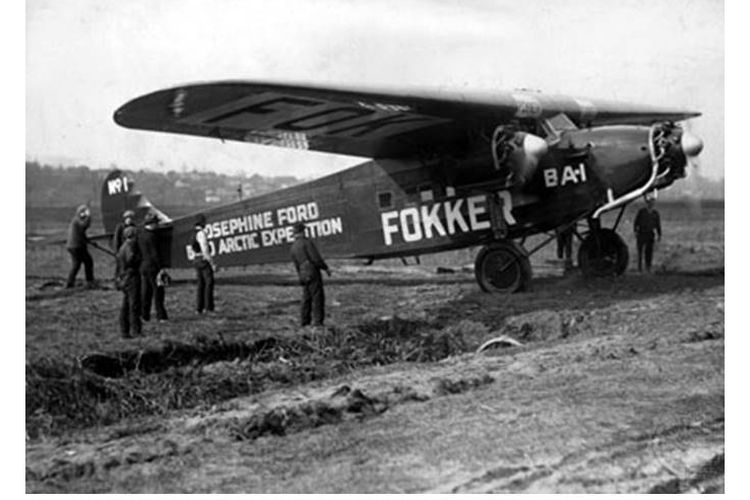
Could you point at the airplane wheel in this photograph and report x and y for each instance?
(606, 257)
(502, 267)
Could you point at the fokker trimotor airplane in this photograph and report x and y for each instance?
(449, 170)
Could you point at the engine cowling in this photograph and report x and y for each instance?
(516, 154)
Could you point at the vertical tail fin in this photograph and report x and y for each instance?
(118, 194)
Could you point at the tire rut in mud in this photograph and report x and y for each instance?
(344, 404)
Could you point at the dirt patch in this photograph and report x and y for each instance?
(578, 431)
(617, 386)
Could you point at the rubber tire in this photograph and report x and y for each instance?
(515, 278)
(614, 260)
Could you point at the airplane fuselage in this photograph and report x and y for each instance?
(390, 208)
(450, 169)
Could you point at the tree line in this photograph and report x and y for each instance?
(67, 186)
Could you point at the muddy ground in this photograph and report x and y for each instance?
(617, 384)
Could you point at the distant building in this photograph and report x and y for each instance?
(212, 197)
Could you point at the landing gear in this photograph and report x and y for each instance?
(602, 253)
(502, 267)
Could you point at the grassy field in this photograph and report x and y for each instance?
(81, 377)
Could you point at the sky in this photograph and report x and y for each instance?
(85, 58)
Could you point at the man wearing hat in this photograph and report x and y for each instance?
(309, 263)
(128, 217)
(77, 247)
(149, 269)
(128, 280)
(647, 226)
(204, 267)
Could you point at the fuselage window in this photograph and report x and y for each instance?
(385, 199)
(425, 193)
(450, 191)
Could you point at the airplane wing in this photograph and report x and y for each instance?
(375, 123)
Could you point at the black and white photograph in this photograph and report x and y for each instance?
(394, 246)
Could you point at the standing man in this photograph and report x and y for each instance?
(128, 220)
(149, 269)
(77, 247)
(204, 267)
(309, 263)
(128, 280)
(565, 246)
(647, 226)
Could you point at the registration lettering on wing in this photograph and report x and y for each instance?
(527, 106)
(290, 121)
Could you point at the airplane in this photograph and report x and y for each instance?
(448, 170)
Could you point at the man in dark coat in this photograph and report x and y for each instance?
(128, 219)
(128, 280)
(77, 247)
(149, 269)
(647, 226)
(204, 267)
(308, 263)
(565, 246)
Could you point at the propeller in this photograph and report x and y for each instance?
(691, 146)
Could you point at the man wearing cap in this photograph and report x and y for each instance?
(647, 225)
(128, 218)
(77, 247)
(204, 267)
(149, 269)
(309, 263)
(128, 280)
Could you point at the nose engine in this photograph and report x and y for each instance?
(672, 149)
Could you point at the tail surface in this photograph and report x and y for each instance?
(118, 195)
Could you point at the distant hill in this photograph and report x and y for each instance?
(66, 186)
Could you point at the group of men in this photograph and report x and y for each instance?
(138, 273)
(140, 276)
(138, 268)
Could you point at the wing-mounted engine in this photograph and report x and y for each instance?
(516, 154)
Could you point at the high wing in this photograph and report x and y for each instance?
(375, 123)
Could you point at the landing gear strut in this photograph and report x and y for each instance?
(502, 267)
(602, 252)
